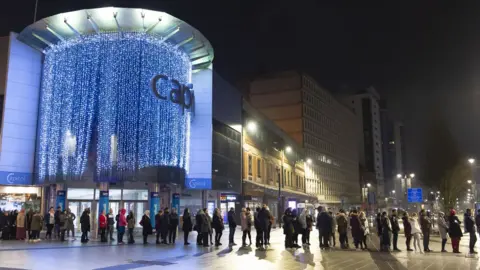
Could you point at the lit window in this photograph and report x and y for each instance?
(249, 165)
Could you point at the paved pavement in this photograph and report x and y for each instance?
(95, 255)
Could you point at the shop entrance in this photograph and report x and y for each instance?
(77, 208)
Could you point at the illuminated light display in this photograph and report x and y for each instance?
(96, 98)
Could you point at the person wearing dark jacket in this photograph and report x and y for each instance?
(256, 225)
(378, 221)
(395, 229)
(407, 229)
(165, 225)
(386, 231)
(198, 228)
(232, 225)
(187, 225)
(264, 223)
(297, 228)
(85, 225)
(158, 225)
(470, 225)
(172, 226)
(146, 223)
(288, 228)
(477, 220)
(455, 231)
(342, 227)
(111, 224)
(426, 226)
(49, 222)
(217, 224)
(57, 222)
(131, 226)
(324, 226)
(28, 222)
(357, 232)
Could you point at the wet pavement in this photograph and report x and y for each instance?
(96, 255)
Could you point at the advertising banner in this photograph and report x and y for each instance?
(154, 206)
(176, 202)
(103, 202)
(60, 200)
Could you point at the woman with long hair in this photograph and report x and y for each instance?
(365, 230)
(217, 224)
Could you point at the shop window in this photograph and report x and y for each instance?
(135, 194)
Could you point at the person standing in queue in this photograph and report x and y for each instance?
(172, 227)
(357, 233)
(378, 221)
(232, 225)
(342, 226)
(28, 222)
(21, 234)
(217, 225)
(407, 229)
(309, 221)
(131, 226)
(244, 221)
(70, 226)
(111, 224)
(442, 229)
(265, 219)
(36, 226)
(187, 226)
(426, 226)
(85, 225)
(102, 224)
(205, 227)
(386, 231)
(146, 226)
(209, 218)
(365, 229)
(454, 231)
(470, 225)
(332, 241)
(302, 219)
(57, 222)
(416, 231)
(395, 229)
(296, 228)
(288, 228)
(258, 229)
(158, 225)
(324, 226)
(165, 225)
(122, 223)
(198, 227)
(63, 224)
(50, 222)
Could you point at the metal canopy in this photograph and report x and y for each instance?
(52, 30)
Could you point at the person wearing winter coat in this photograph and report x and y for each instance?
(111, 224)
(70, 223)
(209, 218)
(477, 220)
(426, 226)
(265, 221)
(442, 229)
(244, 222)
(103, 225)
(122, 223)
(288, 228)
(386, 230)
(21, 235)
(258, 229)
(62, 222)
(165, 225)
(309, 221)
(217, 224)
(158, 225)
(365, 229)
(131, 226)
(36, 226)
(342, 224)
(331, 238)
(454, 231)
(57, 222)
(302, 221)
(232, 225)
(187, 225)
(50, 222)
(395, 229)
(470, 225)
(146, 226)
(416, 231)
(172, 226)
(297, 228)
(205, 227)
(324, 226)
(357, 232)
(407, 229)
(85, 225)
(28, 222)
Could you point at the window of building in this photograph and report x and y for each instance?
(135, 194)
(250, 160)
(259, 167)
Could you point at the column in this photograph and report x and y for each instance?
(103, 198)
(154, 201)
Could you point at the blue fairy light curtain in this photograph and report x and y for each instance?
(96, 97)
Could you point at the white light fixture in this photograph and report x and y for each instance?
(309, 161)
(393, 191)
(469, 181)
(288, 149)
(471, 160)
(369, 185)
(399, 176)
(412, 175)
(252, 126)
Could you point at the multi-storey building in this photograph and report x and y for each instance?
(321, 125)
(366, 107)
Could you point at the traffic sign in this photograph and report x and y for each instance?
(414, 195)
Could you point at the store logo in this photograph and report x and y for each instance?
(181, 94)
(12, 178)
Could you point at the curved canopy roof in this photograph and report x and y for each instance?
(54, 29)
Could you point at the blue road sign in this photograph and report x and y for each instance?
(414, 195)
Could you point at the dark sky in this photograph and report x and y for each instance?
(420, 55)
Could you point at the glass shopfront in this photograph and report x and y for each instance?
(17, 197)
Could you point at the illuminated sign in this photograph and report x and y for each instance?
(181, 94)
(228, 197)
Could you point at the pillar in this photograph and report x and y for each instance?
(103, 203)
(154, 201)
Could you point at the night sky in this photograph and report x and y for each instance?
(420, 55)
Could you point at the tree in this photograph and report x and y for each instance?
(453, 185)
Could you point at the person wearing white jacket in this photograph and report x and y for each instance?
(416, 232)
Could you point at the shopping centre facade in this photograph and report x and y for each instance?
(108, 108)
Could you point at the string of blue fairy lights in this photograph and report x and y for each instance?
(96, 105)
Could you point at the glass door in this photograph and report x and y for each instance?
(138, 209)
(77, 208)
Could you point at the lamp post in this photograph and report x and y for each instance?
(473, 182)
(405, 184)
(287, 149)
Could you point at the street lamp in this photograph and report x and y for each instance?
(412, 175)
(471, 160)
(252, 126)
(393, 191)
(287, 149)
(469, 181)
(309, 161)
(369, 185)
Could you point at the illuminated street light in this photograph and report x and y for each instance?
(309, 161)
(431, 192)
(468, 190)
(288, 149)
(393, 191)
(469, 181)
(399, 176)
(471, 160)
(412, 175)
(252, 126)
(369, 185)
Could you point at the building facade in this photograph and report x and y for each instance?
(321, 125)
(366, 108)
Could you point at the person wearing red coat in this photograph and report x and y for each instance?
(102, 224)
